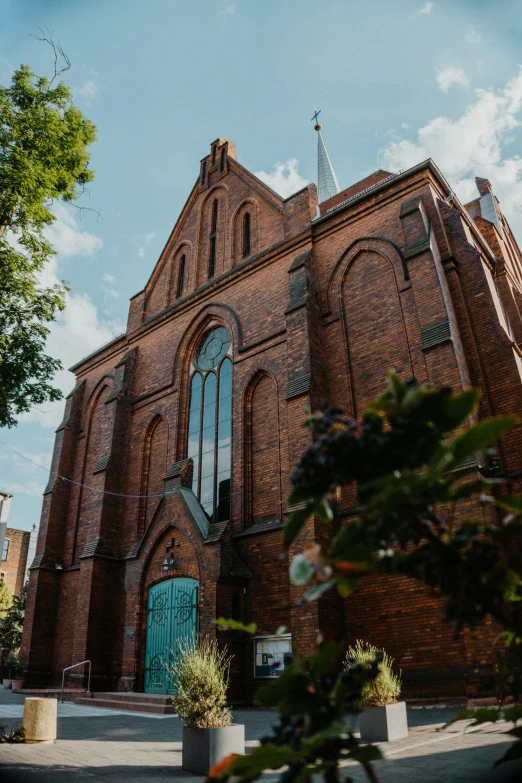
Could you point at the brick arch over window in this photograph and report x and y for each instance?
(240, 251)
(180, 273)
(96, 423)
(374, 325)
(383, 247)
(206, 230)
(214, 314)
(262, 449)
(153, 469)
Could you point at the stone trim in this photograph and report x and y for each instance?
(298, 385)
(435, 335)
(90, 548)
(49, 487)
(410, 206)
(101, 463)
(300, 260)
(261, 527)
(37, 562)
(417, 248)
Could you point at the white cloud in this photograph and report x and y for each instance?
(141, 241)
(284, 178)
(447, 77)
(109, 291)
(473, 36)
(79, 329)
(474, 144)
(68, 238)
(228, 8)
(89, 90)
(426, 9)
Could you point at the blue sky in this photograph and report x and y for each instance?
(397, 81)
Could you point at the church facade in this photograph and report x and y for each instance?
(172, 465)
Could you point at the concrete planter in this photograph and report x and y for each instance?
(17, 685)
(202, 748)
(383, 724)
(7, 683)
(39, 721)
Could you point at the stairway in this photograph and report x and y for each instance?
(133, 702)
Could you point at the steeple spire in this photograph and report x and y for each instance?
(327, 184)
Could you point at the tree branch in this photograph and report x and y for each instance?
(58, 53)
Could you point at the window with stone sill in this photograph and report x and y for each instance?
(5, 550)
(210, 424)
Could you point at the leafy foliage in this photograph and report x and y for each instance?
(386, 687)
(43, 158)
(201, 676)
(11, 625)
(312, 736)
(16, 734)
(408, 471)
(6, 597)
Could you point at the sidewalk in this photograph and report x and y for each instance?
(104, 746)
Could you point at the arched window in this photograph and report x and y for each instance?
(210, 424)
(246, 234)
(181, 277)
(222, 160)
(212, 240)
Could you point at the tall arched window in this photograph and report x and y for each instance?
(212, 240)
(246, 234)
(210, 424)
(181, 277)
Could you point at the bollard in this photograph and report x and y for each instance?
(39, 721)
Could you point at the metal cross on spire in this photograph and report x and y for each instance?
(327, 185)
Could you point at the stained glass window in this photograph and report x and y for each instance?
(210, 424)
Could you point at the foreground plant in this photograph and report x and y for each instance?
(313, 735)
(409, 472)
(201, 676)
(407, 467)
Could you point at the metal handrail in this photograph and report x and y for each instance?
(74, 667)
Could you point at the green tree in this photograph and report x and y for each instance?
(11, 625)
(6, 597)
(43, 159)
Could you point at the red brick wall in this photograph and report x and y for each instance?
(263, 460)
(15, 565)
(318, 310)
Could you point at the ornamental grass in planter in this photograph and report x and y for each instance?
(383, 717)
(201, 676)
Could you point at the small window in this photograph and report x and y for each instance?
(222, 159)
(246, 235)
(181, 277)
(203, 172)
(5, 550)
(212, 240)
(213, 154)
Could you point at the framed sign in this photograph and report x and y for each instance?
(271, 654)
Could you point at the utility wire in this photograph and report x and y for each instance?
(78, 483)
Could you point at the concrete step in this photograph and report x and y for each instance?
(145, 698)
(131, 705)
(51, 693)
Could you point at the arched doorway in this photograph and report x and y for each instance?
(172, 620)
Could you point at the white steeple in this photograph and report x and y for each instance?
(327, 184)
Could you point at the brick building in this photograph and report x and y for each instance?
(181, 433)
(13, 566)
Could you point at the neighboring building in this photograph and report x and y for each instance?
(14, 563)
(191, 421)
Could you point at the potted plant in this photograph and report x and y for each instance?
(15, 672)
(383, 717)
(200, 676)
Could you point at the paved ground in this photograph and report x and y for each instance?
(104, 746)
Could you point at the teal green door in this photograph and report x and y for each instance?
(172, 620)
